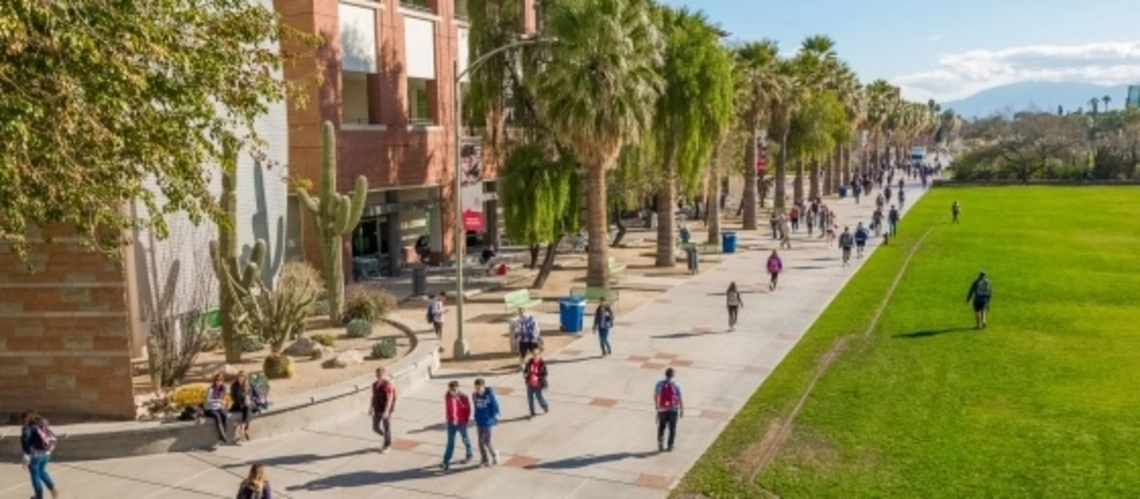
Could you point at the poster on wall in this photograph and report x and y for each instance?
(471, 192)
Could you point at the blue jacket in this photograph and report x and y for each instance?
(30, 441)
(486, 407)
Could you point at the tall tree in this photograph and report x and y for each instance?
(128, 100)
(1094, 103)
(593, 92)
(696, 69)
(540, 201)
(1106, 99)
(789, 78)
(756, 64)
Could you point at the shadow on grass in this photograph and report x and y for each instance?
(931, 332)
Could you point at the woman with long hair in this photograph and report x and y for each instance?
(242, 401)
(734, 303)
(255, 486)
(215, 406)
(37, 442)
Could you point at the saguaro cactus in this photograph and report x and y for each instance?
(234, 283)
(334, 215)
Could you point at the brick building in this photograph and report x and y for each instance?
(386, 84)
(71, 321)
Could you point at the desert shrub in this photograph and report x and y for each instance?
(252, 343)
(319, 307)
(324, 339)
(358, 328)
(277, 366)
(384, 349)
(366, 303)
(278, 315)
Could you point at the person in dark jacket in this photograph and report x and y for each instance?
(980, 292)
(534, 374)
(893, 221)
(603, 322)
(255, 486)
(861, 236)
(486, 417)
(37, 452)
(243, 400)
(380, 408)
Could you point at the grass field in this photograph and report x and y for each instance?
(1043, 403)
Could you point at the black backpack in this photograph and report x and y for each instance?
(249, 492)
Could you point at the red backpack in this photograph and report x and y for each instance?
(667, 396)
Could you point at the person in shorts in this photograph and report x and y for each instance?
(980, 292)
(861, 236)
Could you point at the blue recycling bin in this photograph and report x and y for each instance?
(842, 191)
(728, 242)
(572, 313)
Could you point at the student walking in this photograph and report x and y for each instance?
(846, 241)
(255, 486)
(528, 335)
(457, 411)
(785, 233)
(603, 322)
(215, 406)
(902, 199)
(775, 266)
(794, 218)
(37, 441)
(244, 399)
(435, 314)
(534, 374)
(734, 303)
(955, 209)
(893, 220)
(380, 408)
(980, 292)
(486, 417)
(877, 221)
(861, 236)
(670, 408)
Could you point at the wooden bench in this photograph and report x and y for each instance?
(520, 299)
(615, 266)
(595, 294)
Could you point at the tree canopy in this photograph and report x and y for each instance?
(103, 103)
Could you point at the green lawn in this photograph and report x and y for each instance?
(1043, 403)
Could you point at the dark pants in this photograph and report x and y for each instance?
(775, 278)
(245, 411)
(666, 419)
(535, 394)
(486, 448)
(894, 228)
(733, 310)
(846, 254)
(382, 427)
(525, 347)
(220, 421)
(37, 468)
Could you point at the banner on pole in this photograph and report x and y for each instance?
(471, 192)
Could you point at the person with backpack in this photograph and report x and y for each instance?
(435, 313)
(980, 291)
(734, 303)
(37, 441)
(670, 408)
(603, 322)
(381, 406)
(457, 411)
(846, 242)
(534, 374)
(255, 486)
(775, 266)
(527, 334)
(215, 406)
(893, 221)
(486, 417)
(861, 236)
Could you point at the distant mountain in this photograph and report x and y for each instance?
(1042, 95)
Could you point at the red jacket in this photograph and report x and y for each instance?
(457, 409)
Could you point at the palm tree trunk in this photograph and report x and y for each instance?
(830, 174)
(781, 175)
(813, 181)
(845, 163)
(666, 206)
(712, 195)
(748, 203)
(798, 186)
(598, 252)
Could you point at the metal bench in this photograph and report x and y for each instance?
(615, 266)
(520, 299)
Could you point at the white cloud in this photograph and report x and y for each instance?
(960, 75)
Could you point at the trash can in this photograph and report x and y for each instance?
(728, 242)
(572, 313)
(694, 259)
(419, 280)
(842, 191)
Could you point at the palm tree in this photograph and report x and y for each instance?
(1094, 103)
(593, 93)
(880, 105)
(789, 78)
(696, 69)
(820, 64)
(756, 65)
(1106, 100)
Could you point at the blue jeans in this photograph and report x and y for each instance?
(40, 477)
(452, 429)
(533, 393)
(604, 339)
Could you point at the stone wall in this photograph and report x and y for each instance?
(64, 333)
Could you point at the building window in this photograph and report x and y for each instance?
(358, 60)
(354, 98)
(461, 9)
(421, 5)
(419, 107)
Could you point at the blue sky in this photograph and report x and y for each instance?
(951, 49)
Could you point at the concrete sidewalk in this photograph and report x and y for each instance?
(598, 440)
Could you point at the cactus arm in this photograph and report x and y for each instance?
(313, 204)
(359, 196)
(340, 224)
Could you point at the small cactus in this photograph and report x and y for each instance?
(358, 328)
(252, 343)
(278, 366)
(384, 349)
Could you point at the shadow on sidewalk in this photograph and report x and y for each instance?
(285, 461)
(932, 332)
(590, 460)
(570, 361)
(369, 478)
(689, 334)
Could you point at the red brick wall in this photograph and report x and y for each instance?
(64, 333)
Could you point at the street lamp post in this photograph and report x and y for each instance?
(460, 348)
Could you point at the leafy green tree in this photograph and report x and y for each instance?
(692, 113)
(814, 129)
(593, 92)
(540, 201)
(104, 103)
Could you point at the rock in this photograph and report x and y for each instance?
(321, 352)
(230, 371)
(344, 359)
(303, 347)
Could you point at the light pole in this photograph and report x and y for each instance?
(460, 349)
